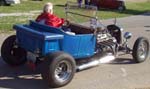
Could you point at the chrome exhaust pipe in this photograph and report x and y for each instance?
(94, 63)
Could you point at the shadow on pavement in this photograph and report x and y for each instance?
(20, 77)
(148, 26)
(135, 12)
(147, 14)
(122, 61)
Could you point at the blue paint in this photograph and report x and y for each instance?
(35, 37)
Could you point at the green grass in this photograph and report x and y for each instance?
(30, 5)
(6, 23)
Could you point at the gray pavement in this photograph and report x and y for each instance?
(122, 73)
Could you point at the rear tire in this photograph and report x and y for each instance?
(140, 50)
(11, 53)
(58, 69)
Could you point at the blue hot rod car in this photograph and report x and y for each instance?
(61, 53)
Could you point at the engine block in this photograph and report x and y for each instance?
(106, 43)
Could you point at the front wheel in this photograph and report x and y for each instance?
(58, 69)
(140, 50)
(12, 53)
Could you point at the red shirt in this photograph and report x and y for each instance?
(50, 19)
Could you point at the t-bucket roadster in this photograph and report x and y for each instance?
(62, 52)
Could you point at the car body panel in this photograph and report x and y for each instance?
(111, 4)
(44, 39)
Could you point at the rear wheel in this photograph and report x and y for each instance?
(140, 50)
(11, 53)
(58, 69)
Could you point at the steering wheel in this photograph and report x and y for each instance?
(66, 23)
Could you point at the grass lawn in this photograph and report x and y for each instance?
(7, 22)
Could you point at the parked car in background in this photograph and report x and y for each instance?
(9, 2)
(110, 4)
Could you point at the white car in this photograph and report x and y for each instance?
(9, 2)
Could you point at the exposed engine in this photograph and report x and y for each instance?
(105, 42)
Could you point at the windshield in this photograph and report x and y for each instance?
(80, 14)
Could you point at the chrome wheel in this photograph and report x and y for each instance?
(58, 69)
(63, 71)
(142, 50)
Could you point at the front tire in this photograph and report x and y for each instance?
(140, 50)
(58, 69)
(11, 53)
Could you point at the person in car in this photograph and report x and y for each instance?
(47, 17)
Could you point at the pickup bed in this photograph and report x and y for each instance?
(42, 39)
